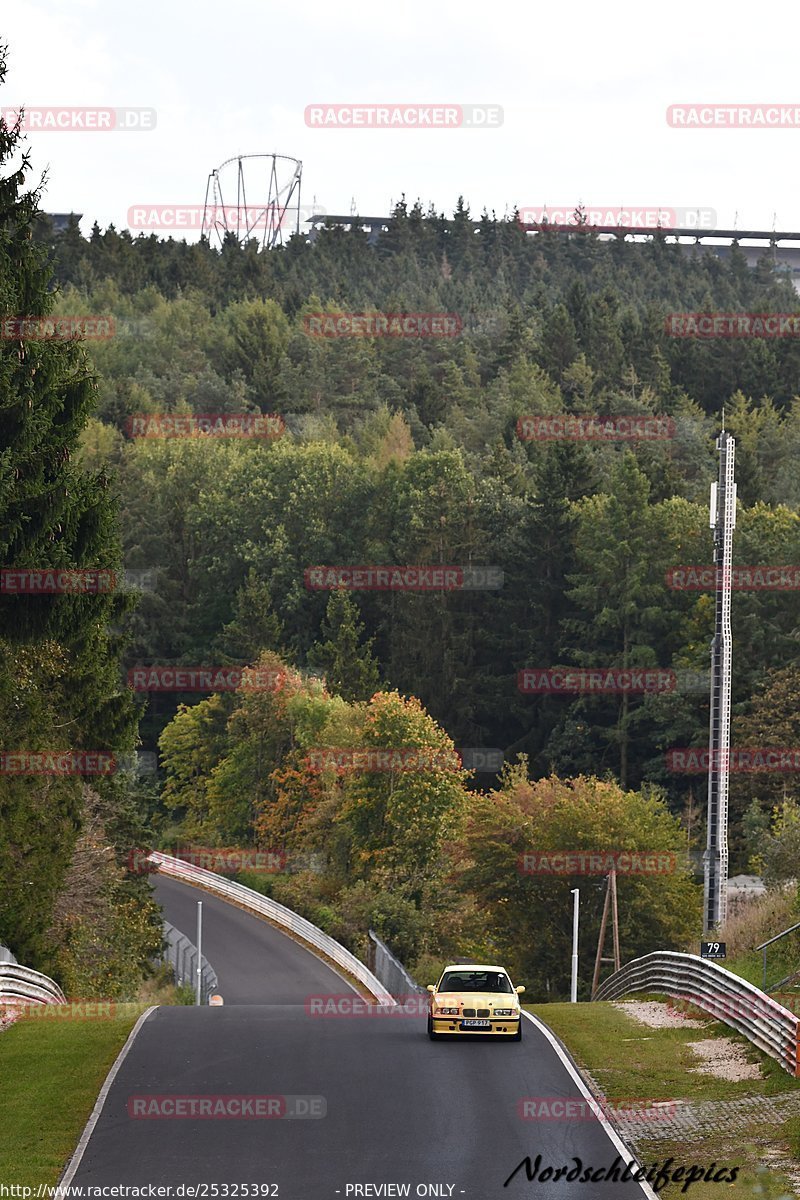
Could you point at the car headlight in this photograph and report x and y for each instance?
(504, 1012)
(447, 1012)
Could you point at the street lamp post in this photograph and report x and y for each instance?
(199, 984)
(573, 992)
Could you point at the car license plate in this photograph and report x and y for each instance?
(476, 1024)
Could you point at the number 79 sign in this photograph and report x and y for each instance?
(712, 950)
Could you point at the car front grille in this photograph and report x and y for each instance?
(483, 1012)
(475, 1012)
(468, 1012)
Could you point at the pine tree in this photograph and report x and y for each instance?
(346, 660)
(60, 685)
(256, 626)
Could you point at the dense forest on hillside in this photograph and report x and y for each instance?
(394, 450)
(407, 450)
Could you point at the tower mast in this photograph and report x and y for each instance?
(722, 521)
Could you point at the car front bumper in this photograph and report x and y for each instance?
(497, 1027)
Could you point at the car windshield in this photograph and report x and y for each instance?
(475, 981)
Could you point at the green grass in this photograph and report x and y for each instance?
(51, 1071)
(630, 1061)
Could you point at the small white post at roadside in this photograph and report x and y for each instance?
(199, 984)
(573, 992)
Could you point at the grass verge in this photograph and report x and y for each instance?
(52, 1073)
(629, 1061)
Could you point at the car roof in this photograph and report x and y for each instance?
(474, 967)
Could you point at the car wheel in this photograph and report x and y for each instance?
(433, 1036)
(518, 1035)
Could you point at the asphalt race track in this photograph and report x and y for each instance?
(374, 1101)
(255, 962)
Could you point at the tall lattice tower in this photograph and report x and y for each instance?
(253, 196)
(722, 521)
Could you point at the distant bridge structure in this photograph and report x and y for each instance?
(783, 247)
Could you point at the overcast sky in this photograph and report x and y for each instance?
(584, 88)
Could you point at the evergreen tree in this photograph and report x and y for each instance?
(60, 685)
(620, 601)
(256, 626)
(343, 656)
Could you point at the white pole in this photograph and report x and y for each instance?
(199, 985)
(573, 994)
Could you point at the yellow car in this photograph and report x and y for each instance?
(473, 998)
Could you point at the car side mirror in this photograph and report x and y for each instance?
(430, 988)
(520, 989)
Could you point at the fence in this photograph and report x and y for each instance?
(254, 902)
(182, 955)
(763, 947)
(723, 995)
(392, 974)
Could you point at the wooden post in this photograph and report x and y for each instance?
(600, 942)
(610, 901)
(612, 880)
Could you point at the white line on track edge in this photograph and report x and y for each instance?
(75, 1161)
(611, 1132)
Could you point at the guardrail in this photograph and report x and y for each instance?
(22, 984)
(723, 995)
(278, 914)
